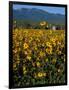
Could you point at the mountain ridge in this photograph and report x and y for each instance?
(38, 15)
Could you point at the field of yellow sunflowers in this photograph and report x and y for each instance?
(38, 57)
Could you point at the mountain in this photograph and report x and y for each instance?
(37, 15)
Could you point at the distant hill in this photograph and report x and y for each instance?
(37, 15)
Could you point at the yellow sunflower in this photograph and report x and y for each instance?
(42, 54)
(38, 64)
(40, 74)
(25, 45)
(49, 50)
(29, 57)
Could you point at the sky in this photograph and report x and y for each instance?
(56, 10)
